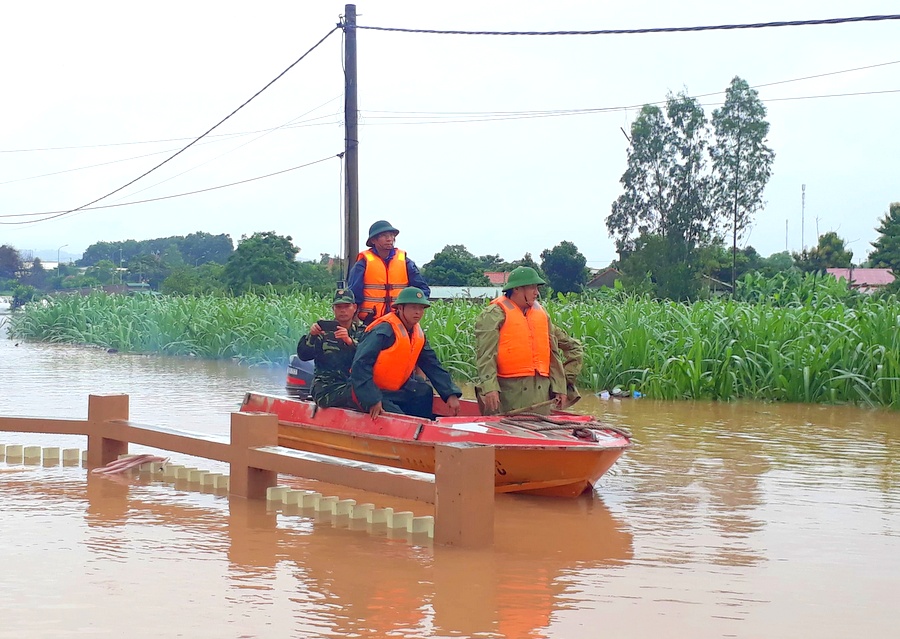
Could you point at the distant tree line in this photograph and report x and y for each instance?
(201, 263)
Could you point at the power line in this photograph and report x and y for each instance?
(221, 135)
(720, 27)
(186, 147)
(53, 214)
(527, 115)
(566, 111)
(223, 138)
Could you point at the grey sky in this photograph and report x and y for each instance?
(101, 73)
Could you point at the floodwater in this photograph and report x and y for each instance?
(725, 520)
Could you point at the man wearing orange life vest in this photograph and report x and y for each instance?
(392, 347)
(381, 272)
(517, 355)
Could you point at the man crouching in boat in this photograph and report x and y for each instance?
(332, 344)
(517, 354)
(391, 349)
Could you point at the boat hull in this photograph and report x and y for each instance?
(555, 464)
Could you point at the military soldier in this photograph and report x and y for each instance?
(393, 347)
(331, 344)
(381, 272)
(517, 354)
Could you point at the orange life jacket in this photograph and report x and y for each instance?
(382, 285)
(396, 364)
(524, 348)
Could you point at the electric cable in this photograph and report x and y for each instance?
(185, 148)
(53, 214)
(719, 27)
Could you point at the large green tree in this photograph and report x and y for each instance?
(741, 159)
(831, 252)
(666, 185)
(263, 258)
(887, 246)
(565, 267)
(454, 265)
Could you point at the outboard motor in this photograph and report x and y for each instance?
(299, 377)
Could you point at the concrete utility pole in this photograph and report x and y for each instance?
(803, 217)
(351, 140)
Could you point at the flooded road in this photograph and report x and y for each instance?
(725, 520)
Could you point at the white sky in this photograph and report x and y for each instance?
(96, 74)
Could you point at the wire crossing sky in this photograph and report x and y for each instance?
(505, 145)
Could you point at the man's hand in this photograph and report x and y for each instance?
(315, 329)
(560, 399)
(491, 401)
(376, 410)
(453, 404)
(342, 334)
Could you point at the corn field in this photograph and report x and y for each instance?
(822, 348)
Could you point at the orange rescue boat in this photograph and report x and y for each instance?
(560, 455)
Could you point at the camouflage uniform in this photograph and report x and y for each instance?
(571, 352)
(515, 392)
(331, 381)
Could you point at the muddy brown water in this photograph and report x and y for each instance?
(724, 520)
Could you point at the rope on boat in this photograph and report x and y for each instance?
(541, 423)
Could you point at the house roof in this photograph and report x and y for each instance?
(464, 292)
(497, 277)
(607, 274)
(863, 276)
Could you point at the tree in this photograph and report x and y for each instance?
(36, 276)
(666, 187)
(565, 268)
(104, 272)
(494, 263)
(649, 266)
(741, 159)
(263, 258)
(149, 268)
(776, 263)
(454, 266)
(10, 262)
(830, 253)
(190, 280)
(318, 277)
(200, 248)
(887, 246)
(528, 261)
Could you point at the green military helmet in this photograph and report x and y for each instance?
(379, 227)
(522, 276)
(343, 296)
(411, 295)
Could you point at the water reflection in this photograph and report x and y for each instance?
(348, 582)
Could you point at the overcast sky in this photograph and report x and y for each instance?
(95, 93)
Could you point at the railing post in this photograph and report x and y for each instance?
(104, 408)
(250, 430)
(464, 495)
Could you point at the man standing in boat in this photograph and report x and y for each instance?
(517, 354)
(332, 344)
(381, 272)
(392, 348)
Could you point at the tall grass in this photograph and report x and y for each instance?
(808, 347)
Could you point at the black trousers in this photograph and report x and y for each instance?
(415, 397)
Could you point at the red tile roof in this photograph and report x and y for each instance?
(863, 277)
(497, 277)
